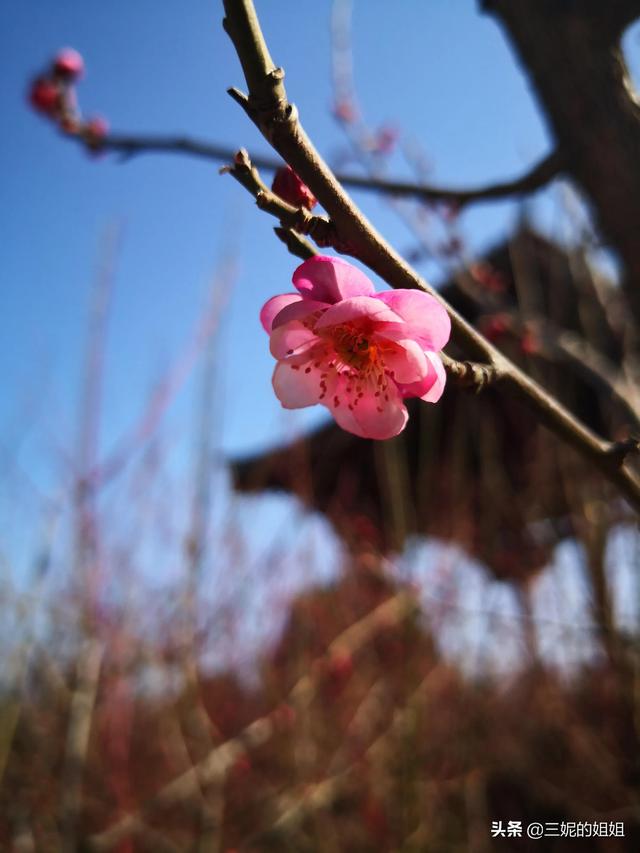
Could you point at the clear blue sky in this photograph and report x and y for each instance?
(438, 69)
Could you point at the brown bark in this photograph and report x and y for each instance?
(571, 52)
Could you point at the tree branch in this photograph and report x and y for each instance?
(297, 245)
(563, 346)
(612, 17)
(277, 119)
(549, 168)
(540, 175)
(471, 374)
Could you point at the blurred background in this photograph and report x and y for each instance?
(231, 627)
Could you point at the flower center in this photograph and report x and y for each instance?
(354, 347)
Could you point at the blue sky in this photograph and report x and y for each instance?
(439, 70)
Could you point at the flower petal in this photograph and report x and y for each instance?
(296, 385)
(330, 279)
(299, 310)
(273, 306)
(367, 416)
(358, 308)
(427, 321)
(431, 387)
(437, 389)
(291, 339)
(406, 361)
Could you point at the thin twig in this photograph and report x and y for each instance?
(295, 243)
(542, 173)
(80, 719)
(267, 106)
(170, 384)
(562, 345)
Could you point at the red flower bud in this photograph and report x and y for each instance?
(495, 326)
(44, 96)
(95, 130)
(284, 716)
(490, 278)
(341, 665)
(339, 669)
(374, 818)
(241, 766)
(529, 343)
(68, 64)
(345, 111)
(291, 189)
(386, 139)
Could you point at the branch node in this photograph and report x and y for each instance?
(239, 97)
(471, 374)
(295, 243)
(262, 200)
(620, 450)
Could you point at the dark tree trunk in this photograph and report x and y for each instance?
(571, 52)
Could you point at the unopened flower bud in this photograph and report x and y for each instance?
(490, 278)
(495, 326)
(241, 766)
(345, 111)
(529, 344)
(291, 189)
(95, 131)
(284, 716)
(44, 96)
(68, 64)
(386, 139)
(341, 666)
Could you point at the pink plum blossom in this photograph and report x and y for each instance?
(355, 351)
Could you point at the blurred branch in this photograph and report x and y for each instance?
(536, 178)
(364, 141)
(561, 345)
(267, 106)
(170, 384)
(539, 176)
(323, 794)
(214, 767)
(86, 532)
(80, 717)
